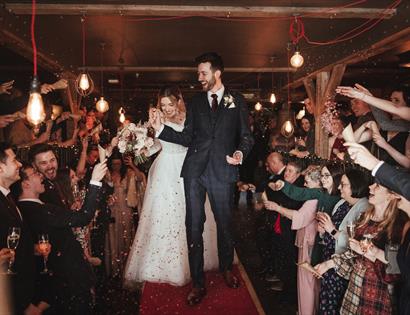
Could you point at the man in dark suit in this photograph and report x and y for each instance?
(284, 247)
(218, 138)
(10, 216)
(72, 277)
(265, 219)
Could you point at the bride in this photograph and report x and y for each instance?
(159, 252)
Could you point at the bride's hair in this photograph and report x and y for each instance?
(174, 94)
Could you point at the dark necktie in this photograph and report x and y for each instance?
(214, 102)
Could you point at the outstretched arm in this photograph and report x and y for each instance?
(360, 92)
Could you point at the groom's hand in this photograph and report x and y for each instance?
(235, 159)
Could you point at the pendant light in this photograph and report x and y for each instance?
(122, 115)
(272, 98)
(297, 59)
(84, 84)
(287, 128)
(102, 105)
(296, 32)
(35, 107)
(258, 106)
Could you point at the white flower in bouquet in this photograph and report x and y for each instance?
(133, 139)
(149, 142)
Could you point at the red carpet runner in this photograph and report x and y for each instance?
(164, 299)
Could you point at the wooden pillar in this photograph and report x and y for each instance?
(326, 84)
(321, 137)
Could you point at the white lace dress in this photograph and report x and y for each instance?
(159, 252)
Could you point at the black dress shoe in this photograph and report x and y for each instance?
(195, 296)
(230, 280)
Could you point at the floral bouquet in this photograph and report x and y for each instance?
(134, 140)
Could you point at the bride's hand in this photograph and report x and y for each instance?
(155, 119)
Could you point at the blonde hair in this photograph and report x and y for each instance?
(313, 172)
(174, 94)
(388, 222)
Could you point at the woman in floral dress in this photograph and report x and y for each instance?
(354, 193)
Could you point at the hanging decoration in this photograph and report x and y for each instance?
(35, 107)
(84, 84)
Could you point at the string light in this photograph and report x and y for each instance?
(35, 107)
(258, 106)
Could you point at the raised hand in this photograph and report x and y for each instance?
(155, 119)
(278, 185)
(271, 205)
(360, 155)
(235, 159)
(326, 222)
(99, 171)
(6, 87)
(6, 119)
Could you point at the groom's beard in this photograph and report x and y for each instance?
(209, 84)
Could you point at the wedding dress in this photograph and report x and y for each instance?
(159, 252)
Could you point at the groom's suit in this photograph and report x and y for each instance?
(210, 136)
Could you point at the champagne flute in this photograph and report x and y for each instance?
(44, 247)
(367, 242)
(12, 242)
(351, 227)
(319, 213)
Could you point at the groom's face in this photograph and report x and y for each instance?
(207, 77)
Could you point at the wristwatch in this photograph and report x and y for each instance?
(333, 233)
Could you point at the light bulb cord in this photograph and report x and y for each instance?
(33, 38)
(83, 32)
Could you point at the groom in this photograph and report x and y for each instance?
(218, 138)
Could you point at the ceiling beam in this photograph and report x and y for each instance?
(204, 11)
(184, 69)
(386, 44)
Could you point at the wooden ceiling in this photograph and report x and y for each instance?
(151, 43)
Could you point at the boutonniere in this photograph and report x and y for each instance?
(229, 101)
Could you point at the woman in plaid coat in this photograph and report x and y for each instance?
(366, 267)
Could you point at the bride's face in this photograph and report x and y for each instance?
(168, 107)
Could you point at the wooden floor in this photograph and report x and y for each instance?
(117, 301)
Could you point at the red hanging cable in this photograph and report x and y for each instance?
(33, 39)
(296, 30)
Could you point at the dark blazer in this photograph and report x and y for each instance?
(66, 258)
(395, 179)
(210, 137)
(24, 265)
(52, 194)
